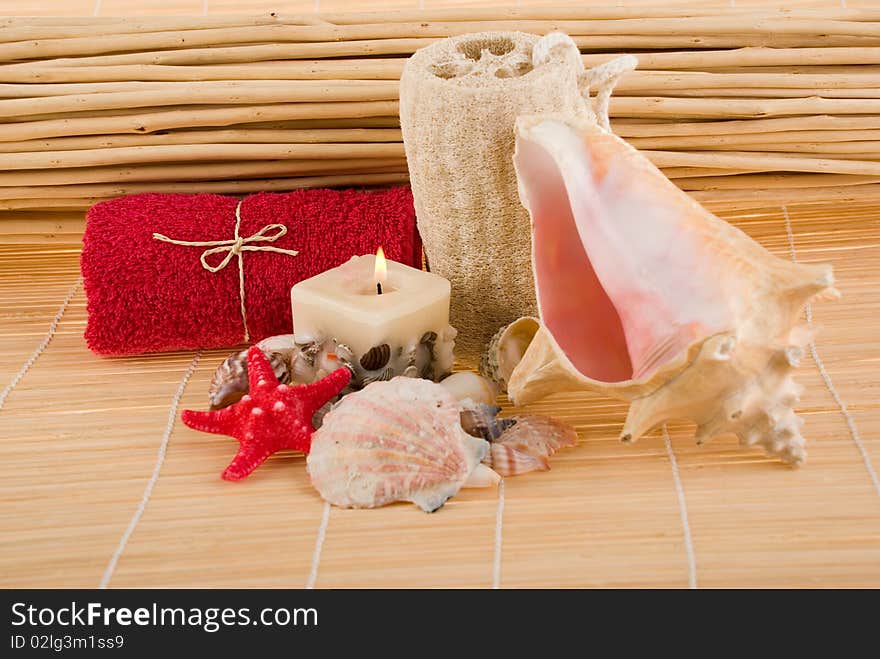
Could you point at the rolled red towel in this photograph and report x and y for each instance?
(148, 292)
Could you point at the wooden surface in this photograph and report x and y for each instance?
(80, 438)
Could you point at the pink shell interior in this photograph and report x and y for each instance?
(624, 285)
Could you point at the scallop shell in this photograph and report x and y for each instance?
(646, 296)
(394, 441)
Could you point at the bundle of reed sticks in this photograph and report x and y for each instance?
(730, 103)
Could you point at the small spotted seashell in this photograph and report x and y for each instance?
(483, 421)
(376, 357)
(383, 376)
(230, 381)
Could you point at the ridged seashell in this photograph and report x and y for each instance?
(506, 349)
(646, 296)
(376, 357)
(519, 444)
(508, 461)
(230, 381)
(381, 376)
(394, 441)
(443, 351)
(483, 421)
(467, 385)
(538, 435)
(303, 369)
(317, 359)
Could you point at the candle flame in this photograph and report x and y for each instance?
(381, 272)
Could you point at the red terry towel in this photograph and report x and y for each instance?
(148, 295)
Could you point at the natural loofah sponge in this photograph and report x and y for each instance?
(459, 99)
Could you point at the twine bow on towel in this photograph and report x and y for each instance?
(235, 247)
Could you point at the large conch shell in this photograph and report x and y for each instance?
(646, 296)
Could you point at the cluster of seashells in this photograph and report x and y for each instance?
(410, 439)
(431, 358)
(404, 437)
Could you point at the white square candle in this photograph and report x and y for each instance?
(402, 331)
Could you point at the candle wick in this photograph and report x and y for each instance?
(379, 288)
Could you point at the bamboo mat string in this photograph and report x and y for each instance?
(499, 519)
(847, 417)
(43, 344)
(319, 545)
(683, 511)
(154, 477)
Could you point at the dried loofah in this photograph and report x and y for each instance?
(459, 99)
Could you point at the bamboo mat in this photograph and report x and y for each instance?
(100, 484)
(79, 437)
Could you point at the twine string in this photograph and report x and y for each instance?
(235, 247)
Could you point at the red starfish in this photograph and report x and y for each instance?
(271, 418)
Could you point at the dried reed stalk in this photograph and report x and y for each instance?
(724, 99)
(710, 28)
(745, 141)
(150, 122)
(233, 136)
(48, 27)
(820, 122)
(782, 181)
(241, 77)
(196, 171)
(97, 191)
(659, 106)
(366, 69)
(304, 91)
(200, 152)
(763, 162)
